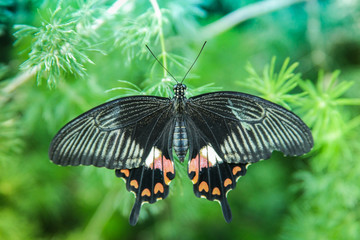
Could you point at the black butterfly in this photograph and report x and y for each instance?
(222, 133)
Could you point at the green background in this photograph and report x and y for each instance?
(59, 59)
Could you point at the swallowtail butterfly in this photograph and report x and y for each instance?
(221, 132)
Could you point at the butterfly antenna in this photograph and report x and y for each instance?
(160, 63)
(194, 62)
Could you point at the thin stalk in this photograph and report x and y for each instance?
(250, 11)
(111, 11)
(348, 101)
(20, 79)
(158, 14)
(101, 216)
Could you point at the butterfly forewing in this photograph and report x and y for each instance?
(243, 128)
(118, 134)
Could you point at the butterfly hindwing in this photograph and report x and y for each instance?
(213, 179)
(115, 135)
(150, 182)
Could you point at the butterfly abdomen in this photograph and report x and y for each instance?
(180, 139)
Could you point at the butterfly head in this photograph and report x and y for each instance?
(179, 90)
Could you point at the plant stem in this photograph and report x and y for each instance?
(158, 14)
(111, 11)
(348, 101)
(314, 34)
(101, 216)
(20, 79)
(243, 14)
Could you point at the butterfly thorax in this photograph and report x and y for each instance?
(179, 90)
(179, 99)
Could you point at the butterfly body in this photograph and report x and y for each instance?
(180, 139)
(221, 132)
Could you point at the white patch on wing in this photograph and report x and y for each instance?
(240, 115)
(232, 153)
(209, 153)
(153, 154)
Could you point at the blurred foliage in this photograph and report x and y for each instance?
(88, 52)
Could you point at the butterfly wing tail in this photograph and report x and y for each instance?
(225, 207)
(135, 212)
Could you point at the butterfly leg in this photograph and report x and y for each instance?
(213, 179)
(149, 183)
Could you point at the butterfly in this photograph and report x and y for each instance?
(220, 133)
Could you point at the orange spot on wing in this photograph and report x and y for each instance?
(134, 183)
(126, 172)
(227, 182)
(196, 165)
(146, 192)
(216, 191)
(203, 186)
(158, 188)
(168, 167)
(236, 170)
(193, 167)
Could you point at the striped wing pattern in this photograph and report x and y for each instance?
(244, 129)
(118, 134)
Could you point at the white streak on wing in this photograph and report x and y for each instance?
(274, 142)
(66, 146)
(265, 143)
(234, 154)
(246, 146)
(227, 147)
(136, 158)
(153, 154)
(99, 144)
(141, 152)
(238, 144)
(211, 155)
(131, 151)
(118, 147)
(222, 148)
(125, 149)
(136, 151)
(250, 141)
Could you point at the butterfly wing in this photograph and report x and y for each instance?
(115, 135)
(243, 128)
(150, 182)
(132, 135)
(227, 131)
